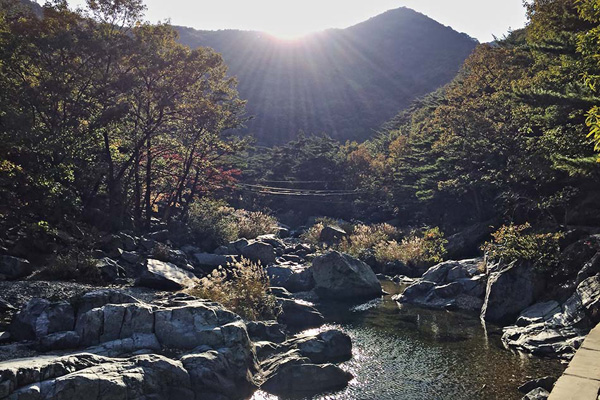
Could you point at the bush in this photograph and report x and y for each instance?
(212, 222)
(365, 237)
(75, 265)
(251, 224)
(242, 287)
(514, 242)
(313, 234)
(416, 250)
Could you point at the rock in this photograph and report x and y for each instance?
(271, 239)
(559, 334)
(131, 257)
(39, 318)
(5, 305)
(290, 374)
(109, 269)
(260, 252)
(539, 312)
(299, 315)
(148, 244)
(4, 337)
(14, 268)
(546, 383)
(328, 346)
(129, 243)
(590, 268)
(60, 341)
(165, 276)
(214, 374)
(339, 276)
(270, 331)
(99, 298)
(159, 236)
(293, 277)
(86, 376)
(510, 290)
(332, 234)
(239, 245)
(537, 394)
(211, 260)
(466, 243)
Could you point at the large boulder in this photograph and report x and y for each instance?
(332, 234)
(294, 277)
(299, 314)
(549, 330)
(14, 268)
(260, 252)
(510, 289)
(340, 276)
(40, 317)
(166, 276)
(448, 285)
(87, 376)
(291, 374)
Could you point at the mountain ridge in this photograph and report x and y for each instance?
(342, 82)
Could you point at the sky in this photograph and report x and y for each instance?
(289, 19)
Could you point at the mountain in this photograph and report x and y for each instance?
(343, 82)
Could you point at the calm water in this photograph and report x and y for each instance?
(405, 352)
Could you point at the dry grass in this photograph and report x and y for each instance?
(415, 250)
(365, 237)
(242, 287)
(251, 224)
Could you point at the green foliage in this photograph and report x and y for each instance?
(242, 287)
(212, 222)
(74, 265)
(418, 250)
(517, 242)
(251, 224)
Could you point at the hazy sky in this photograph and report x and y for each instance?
(292, 18)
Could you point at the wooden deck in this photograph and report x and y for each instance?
(581, 380)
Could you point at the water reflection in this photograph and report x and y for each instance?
(405, 352)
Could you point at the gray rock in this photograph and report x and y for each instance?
(327, 346)
(109, 269)
(4, 337)
(60, 341)
(537, 394)
(216, 374)
(210, 260)
(290, 374)
(159, 236)
(131, 257)
(299, 315)
(165, 276)
(260, 252)
(99, 298)
(546, 383)
(14, 268)
(5, 305)
(293, 277)
(510, 290)
(332, 234)
(86, 376)
(39, 318)
(129, 243)
(537, 313)
(340, 276)
(270, 331)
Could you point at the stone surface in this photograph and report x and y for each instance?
(299, 314)
(290, 374)
(537, 394)
(39, 318)
(14, 268)
(86, 376)
(510, 289)
(332, 234)
(451, 284)
(294, 277)
(270, 331)
(260, 252)
(165, 276)
(340, 276)
(546, 383)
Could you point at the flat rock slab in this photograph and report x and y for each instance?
(166, 276)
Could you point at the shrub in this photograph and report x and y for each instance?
(75, 265)
(242, 287)
(313, 234)
(416, 250)
(212, 222)
(365, 237)
(514, 242)
(251, 224)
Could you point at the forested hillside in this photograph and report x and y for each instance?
(506, 140)
(345, 83)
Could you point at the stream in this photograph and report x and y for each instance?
(407, 352)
